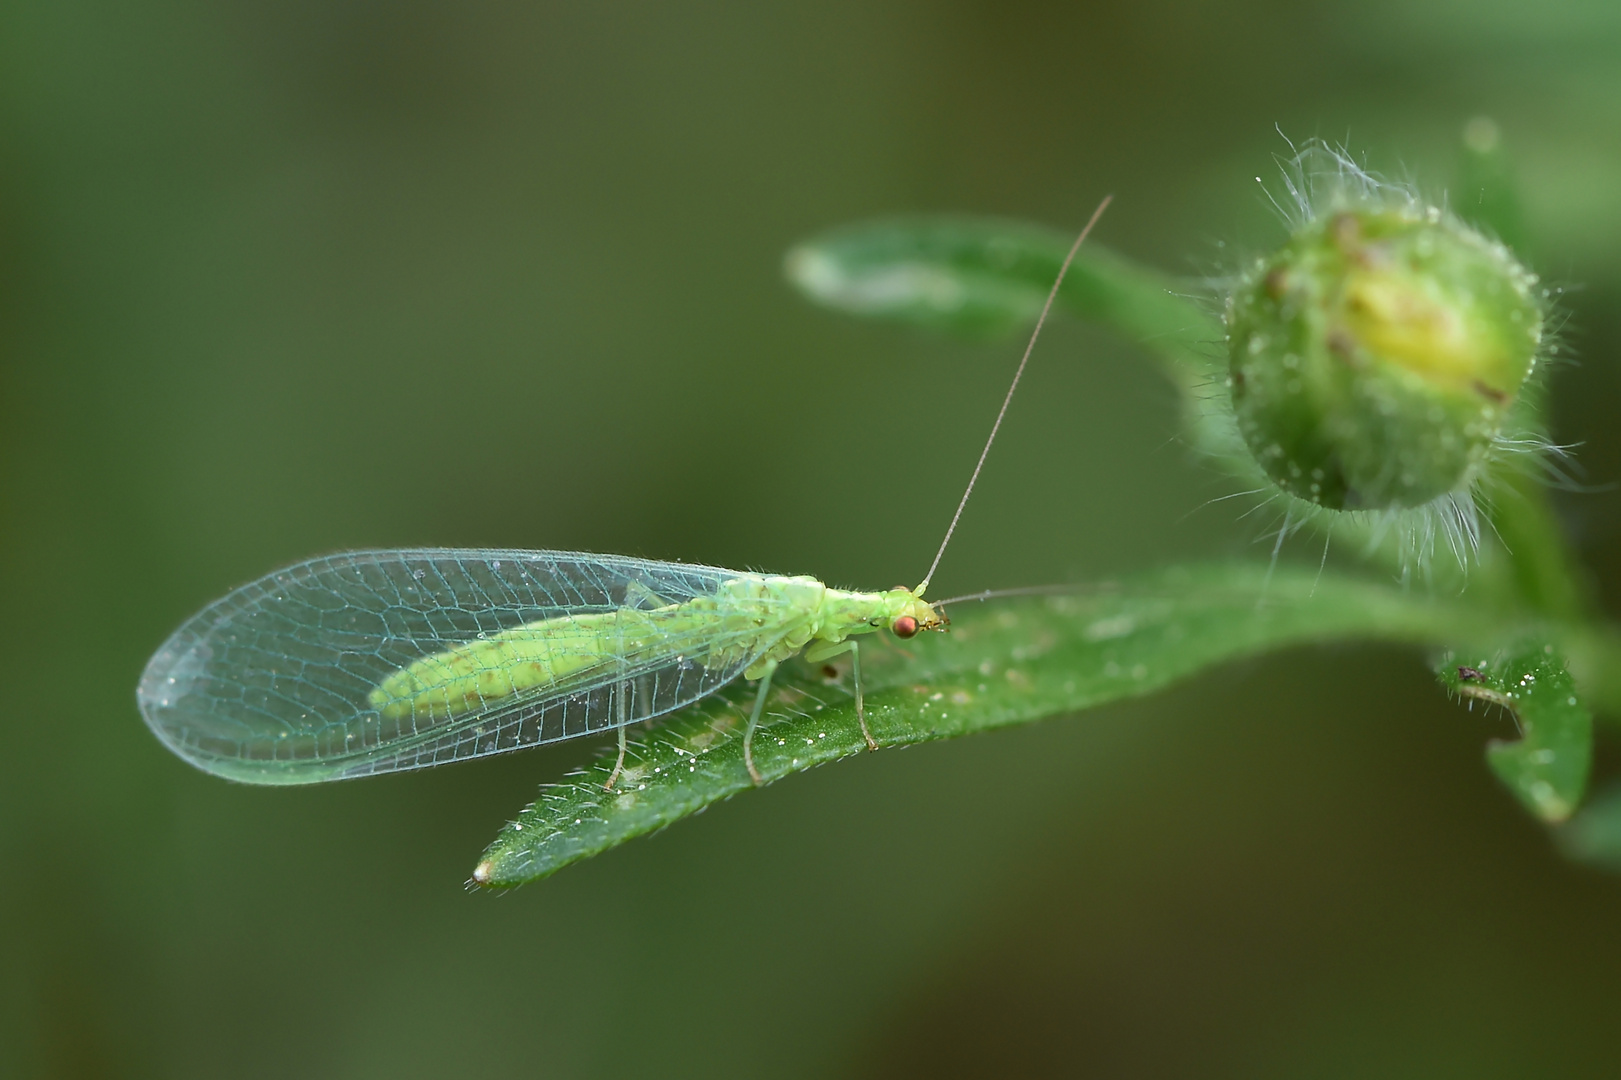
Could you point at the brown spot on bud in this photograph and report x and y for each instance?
(1346, 231)
(1489, 392)
(1343, 345)
(1373, 256)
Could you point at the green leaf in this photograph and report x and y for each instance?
(983, 276)
(988, 276)
(1547, 767)
(1007, 662)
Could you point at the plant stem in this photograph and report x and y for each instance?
(1544, 574)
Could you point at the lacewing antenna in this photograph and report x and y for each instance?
(1008, 400)
(1028, 590)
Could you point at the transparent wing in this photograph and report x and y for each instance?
(273, 683)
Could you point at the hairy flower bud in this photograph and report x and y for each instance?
(1375, 357)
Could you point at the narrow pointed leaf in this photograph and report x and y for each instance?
(985, 276)
(1005, 662)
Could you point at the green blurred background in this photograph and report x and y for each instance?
(281, 279)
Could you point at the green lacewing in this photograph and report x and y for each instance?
(378, 661)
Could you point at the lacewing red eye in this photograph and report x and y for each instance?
(905, 626)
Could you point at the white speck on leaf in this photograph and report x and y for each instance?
(1108, 629)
